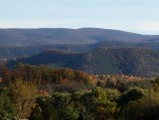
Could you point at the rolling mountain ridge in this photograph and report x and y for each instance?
(126, 53)
(104, 60)
(45, 36)
(15, 43)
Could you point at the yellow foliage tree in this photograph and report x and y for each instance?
(22, 95)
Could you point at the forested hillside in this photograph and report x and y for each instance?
(105, 60)
(78, 74)
(15, 43)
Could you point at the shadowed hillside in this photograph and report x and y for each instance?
(105, 60)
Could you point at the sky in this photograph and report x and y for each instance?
(138, 16)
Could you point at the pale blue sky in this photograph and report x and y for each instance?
(140, 16)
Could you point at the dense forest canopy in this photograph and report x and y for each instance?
(40, 93)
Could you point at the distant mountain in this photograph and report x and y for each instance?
(47, 36)
(15, 43)
(104, 60)
(19, 43)
(9, 52)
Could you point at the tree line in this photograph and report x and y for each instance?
(42, 93)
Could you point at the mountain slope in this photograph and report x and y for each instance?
(45, 36)
(15, 43)
(105, 60)
(9, 52)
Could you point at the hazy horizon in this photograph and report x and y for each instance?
(137, 16)
(87, 28)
